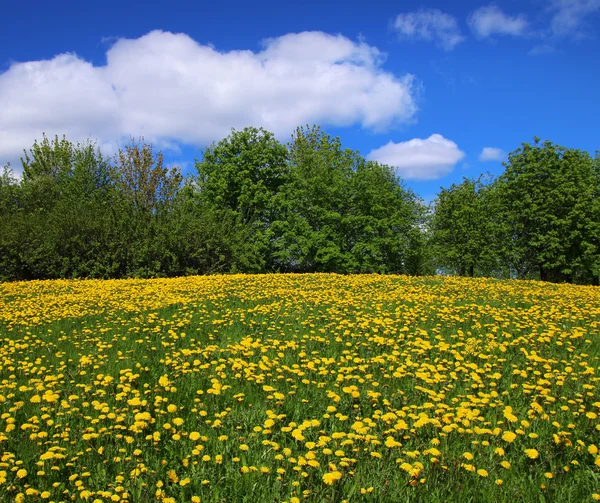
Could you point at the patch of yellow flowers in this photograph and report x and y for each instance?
(298, 388)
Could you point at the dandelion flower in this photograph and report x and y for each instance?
(330, 477)
(532, 453)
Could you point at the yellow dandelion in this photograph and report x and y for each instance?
(531, 453)
(331, 477)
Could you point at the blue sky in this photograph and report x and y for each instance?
(424, 86)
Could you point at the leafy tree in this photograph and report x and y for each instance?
(317, 200)
(48, 158)
(85, 217)
(546, 197)
(9, 232)
(461, 228)
(345, 214)
(591, 252)
(147, 190)
(47, 163)
(143, 179)
(383, 222)
(204, 242)
(65, 204)
(240, 181)
(313, 205)
(8, 189)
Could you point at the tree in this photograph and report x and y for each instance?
(546, 205)
(143, 179)
(48, 158)
(461, 228)
(591, 251)
(318, 198)
(202, 241)
(384, 222)
(65, 207)
(147, 191)
(240, 181)
(9, 231)
(8, 188)
(343, 213)
(309, 206)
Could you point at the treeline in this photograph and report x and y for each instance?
(254, 205)
(257, 205)
(540, 219)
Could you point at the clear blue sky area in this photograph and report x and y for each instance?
(423, 86)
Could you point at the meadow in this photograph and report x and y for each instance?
(289, 388)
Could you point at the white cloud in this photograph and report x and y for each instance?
(420, 159)
(489, 20)
(431, 25)
(569, 16)
(171, 89)
(492, 154)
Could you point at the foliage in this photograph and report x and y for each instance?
(461, 228)
(547, 212)
(257, 205)
(142, 178)
(344, 214)
(240, 181)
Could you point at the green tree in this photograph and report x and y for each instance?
(204, 242)
(143, 179)
(240, 180)
(546, 212)
(45, 166)
(147, 191)
(9, 229)
(84, 216)
(48, 158)
(8, 188)
(318, 197)
(461, 227)
(65, 210)
(383, 224)
(591, 252)
(343, 213)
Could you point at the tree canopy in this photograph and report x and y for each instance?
(255, 204)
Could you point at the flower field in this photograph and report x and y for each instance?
(299, 388)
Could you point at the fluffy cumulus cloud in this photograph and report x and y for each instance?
(170, 89)
(420, 159)
(492, 154)
(489, 20)
(431, 25)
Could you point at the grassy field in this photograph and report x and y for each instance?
(299, 388)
